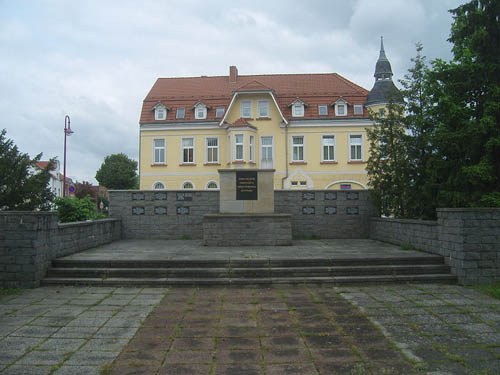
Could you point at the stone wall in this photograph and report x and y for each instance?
(467, 238)
(179, 214)
(29, 241)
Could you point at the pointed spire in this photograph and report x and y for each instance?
(382, 55)
(383, 68)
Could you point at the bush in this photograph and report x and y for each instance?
(75, 209)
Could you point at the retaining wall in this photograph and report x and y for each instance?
(467, 238)
(146, 214)
(29, 241)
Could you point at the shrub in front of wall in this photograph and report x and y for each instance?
(76, 209)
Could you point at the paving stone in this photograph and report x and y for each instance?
(20, 344)
(170, 369)
(288, 355)
(36, 357)
(113, 345)
(285, 369)
(83, 358)
(189, 357)
(66, 345)
(118, 333)
(193, 344)
(238, 356)
(237, 343)
(75, 332)
(238, 369)
(78, 370)
(27, 370)
(34, 331)
(9, 356)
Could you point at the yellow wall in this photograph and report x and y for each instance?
(315, 174)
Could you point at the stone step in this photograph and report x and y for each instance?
(248, 263)
(337, 280)
(246, 272)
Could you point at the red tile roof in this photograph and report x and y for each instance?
(217, 91)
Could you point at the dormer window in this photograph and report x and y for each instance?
(160, 112)
(322, 110)
(200, 111)
(340, 107)
(297, 108)
(358, 109)
(219, 112)
(180, 113)
(246, 108)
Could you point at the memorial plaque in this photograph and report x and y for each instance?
(182, 210)
(330, 210)
(138, 196)
(352, 196)
(138, 210)
(160, 196)
(160, 210)
(330, 196)
(246, 186)
(308, 196)
(184, 196)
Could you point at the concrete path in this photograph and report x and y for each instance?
(194, 249)
(279, 330)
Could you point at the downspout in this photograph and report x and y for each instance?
(286, 158)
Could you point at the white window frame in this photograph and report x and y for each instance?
(187, 182)
(160, 109)
(159, 182)
(264, 102)
(228, 148)
(251, 148)
(159, 148)
(272, 149)
(341, 103)
(182, 150)
(295, 106)
(242, 144)
(204, 113)
(177, 114)
(325, 106)
(323, 136)
(358, 109)
(293, 146)
(212, 182)
(242, 104)
(207, 148)
(351, 144)
(222, 110)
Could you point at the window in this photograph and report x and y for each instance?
(263, 108)
(160, 113)
(298, 110)
(355, 142)
(159, 151)
(159, 186)
(328, 148)
(219, 112)
(212, 150)
(340, 109)
(298, 148)
(180, 113)
(303, 183)
(322, 110)
(212, 185)
(295, 183)
(251, 148)
(246, 109)
(200, 112)
(188, 150)
(188, 185)
(381, 112)
(358, 109)
(238, 146)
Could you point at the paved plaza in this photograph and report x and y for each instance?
(392, 329)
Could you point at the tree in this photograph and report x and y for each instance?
(84, 189)
(467, 96)
(23, 186)
(118, 172)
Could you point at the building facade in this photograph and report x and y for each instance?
(310, 128)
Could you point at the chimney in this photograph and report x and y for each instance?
(233, 73)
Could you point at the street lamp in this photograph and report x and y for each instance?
(67, 133)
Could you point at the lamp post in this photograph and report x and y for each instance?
(67, 132)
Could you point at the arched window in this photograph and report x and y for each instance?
(188, 185)
(159, 186)
(212, 185)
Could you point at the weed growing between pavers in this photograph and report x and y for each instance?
(492, 290)
(9, 291)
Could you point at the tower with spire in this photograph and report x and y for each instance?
(384, 89)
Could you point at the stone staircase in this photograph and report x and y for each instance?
(158, 273)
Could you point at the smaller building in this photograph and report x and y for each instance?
(56, 179)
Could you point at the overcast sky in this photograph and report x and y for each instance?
(97, 60)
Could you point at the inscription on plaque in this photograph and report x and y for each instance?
(184, 196)
(138, 210)
(308, 196)
(352, 210)
(182, 210)
(160, 196)
(352, 196)
(330, 196)
(246, 186)
(308, 210)
(138, 196)
(330, 210)
(160, 210)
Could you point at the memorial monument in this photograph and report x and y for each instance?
(246, 211)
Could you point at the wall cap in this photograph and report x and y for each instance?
(405, 221)
(479, 209)
(86, 223)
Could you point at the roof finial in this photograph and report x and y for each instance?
(382, 51)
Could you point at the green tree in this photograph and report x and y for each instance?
(467, 97)
(118, 172)
(76, 209)
(23, 186)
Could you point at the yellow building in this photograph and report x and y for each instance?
(310, 128)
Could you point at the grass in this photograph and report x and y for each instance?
(106, 369)
(9, 291)
(493, 290)
(407, 247)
